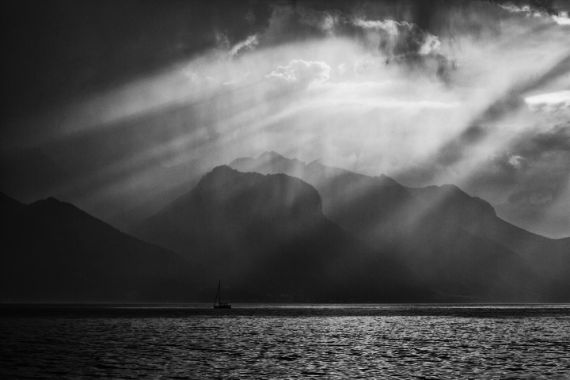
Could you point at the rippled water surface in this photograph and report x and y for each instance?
(288, 342)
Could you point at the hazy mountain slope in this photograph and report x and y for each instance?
(267, 232)
(448, 213)
(52, 251)
(266, 237)
(362, 204)
(438, 229)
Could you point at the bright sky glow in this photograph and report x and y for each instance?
(560, 99)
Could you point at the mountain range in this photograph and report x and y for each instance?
(266, 235)
(440, 232)
(278, 229)
(54, 252)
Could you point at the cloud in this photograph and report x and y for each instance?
(248, 44)
(395, 39)
(551, 101)
(405, 43)
(389, 26)
(516, 161)
(431, 45)
(301, 72)
(562, 18)
(527, 10)
(325, 21)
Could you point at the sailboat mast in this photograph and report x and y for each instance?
(218, 298)
(218, 304)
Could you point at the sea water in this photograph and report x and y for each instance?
(287, 341)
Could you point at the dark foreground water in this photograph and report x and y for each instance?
(344, 342)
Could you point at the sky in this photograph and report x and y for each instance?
(119, 107)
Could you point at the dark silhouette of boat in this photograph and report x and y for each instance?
(218, 304)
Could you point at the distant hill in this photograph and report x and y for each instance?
(265, 236)
(453, 242)
(54, 252)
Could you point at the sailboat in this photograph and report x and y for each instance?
(218, 304)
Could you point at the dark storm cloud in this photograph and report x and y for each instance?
(63, 49)
(59, 50)
(391, 29)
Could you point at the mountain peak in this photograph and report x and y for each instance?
(271, 155)
(387, 180)
(52, 202)
(220, 176)
(7, 199)
(222, 170)
(51, 199)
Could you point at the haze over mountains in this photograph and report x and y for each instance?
(441, 231)
(267, 237)
(277, 229)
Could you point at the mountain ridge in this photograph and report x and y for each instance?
(266, 235)
(438, 257)
(379, 210)
(329, 235)
(292, 164)
(54, 251)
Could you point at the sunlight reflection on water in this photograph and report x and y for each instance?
(287, 345)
